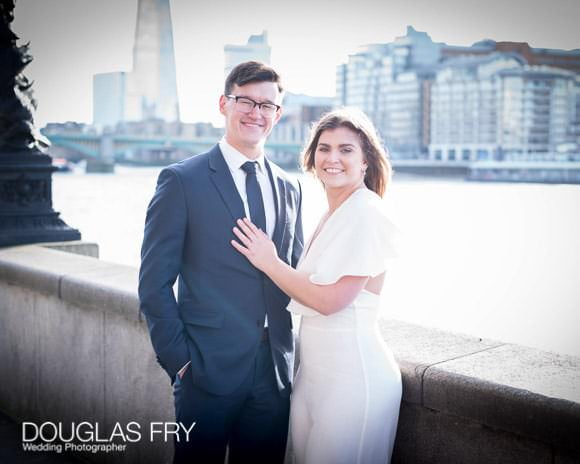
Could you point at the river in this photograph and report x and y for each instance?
(494, 260)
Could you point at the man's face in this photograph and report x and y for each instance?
(247, 132)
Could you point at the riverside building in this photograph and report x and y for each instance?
(497, 107)
(390, 83)
(489, 101)
(256, 49)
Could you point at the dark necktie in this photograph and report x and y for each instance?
(254, 194)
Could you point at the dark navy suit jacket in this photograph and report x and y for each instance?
(218, 318)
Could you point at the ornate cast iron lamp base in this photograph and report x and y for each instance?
(26, 214)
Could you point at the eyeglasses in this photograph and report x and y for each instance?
(246, 105)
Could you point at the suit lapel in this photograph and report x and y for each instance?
(222, 179)
(279, 190)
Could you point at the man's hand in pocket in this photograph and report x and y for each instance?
(183, 369)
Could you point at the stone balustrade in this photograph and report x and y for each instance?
(74, 348)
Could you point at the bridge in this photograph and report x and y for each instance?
(119, 145)
(165, 149)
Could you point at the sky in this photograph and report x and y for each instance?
(71, 40)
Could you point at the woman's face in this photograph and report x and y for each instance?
(339, 160)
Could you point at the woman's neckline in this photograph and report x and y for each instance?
(327, 217)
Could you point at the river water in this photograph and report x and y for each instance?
(495, 260)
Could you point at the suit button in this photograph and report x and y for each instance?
(258, 323)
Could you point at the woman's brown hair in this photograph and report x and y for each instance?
(379, 170)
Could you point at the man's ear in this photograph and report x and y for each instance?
(277, 117)
(222, 103)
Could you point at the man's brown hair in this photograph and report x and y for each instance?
(251, 71)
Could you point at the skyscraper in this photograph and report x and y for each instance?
(390, 83)
(150, 89)
(109, 98)
(256, 49)
(491, 100)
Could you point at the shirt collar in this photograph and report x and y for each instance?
(235, 159)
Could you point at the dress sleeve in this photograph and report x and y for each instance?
(363, 244)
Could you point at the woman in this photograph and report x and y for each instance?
(346, 398)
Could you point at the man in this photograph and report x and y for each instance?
(227, 341)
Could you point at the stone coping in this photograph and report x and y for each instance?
(79, 247)
(75, 279)
(516, 389)
(513, 388)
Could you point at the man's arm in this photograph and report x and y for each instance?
(161, 255)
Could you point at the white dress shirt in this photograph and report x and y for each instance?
(235, 160)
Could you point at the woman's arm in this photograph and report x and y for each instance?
(261, 252)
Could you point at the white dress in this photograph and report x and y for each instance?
(345, 403)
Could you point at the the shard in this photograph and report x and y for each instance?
(151, 86)
(150, 89)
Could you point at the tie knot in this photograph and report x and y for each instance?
(249, 167)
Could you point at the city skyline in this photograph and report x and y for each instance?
(67, 53)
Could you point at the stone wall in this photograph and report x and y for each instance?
(73, 348)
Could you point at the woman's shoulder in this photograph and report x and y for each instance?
(366, 204)
(368, 213)
(365, 196)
